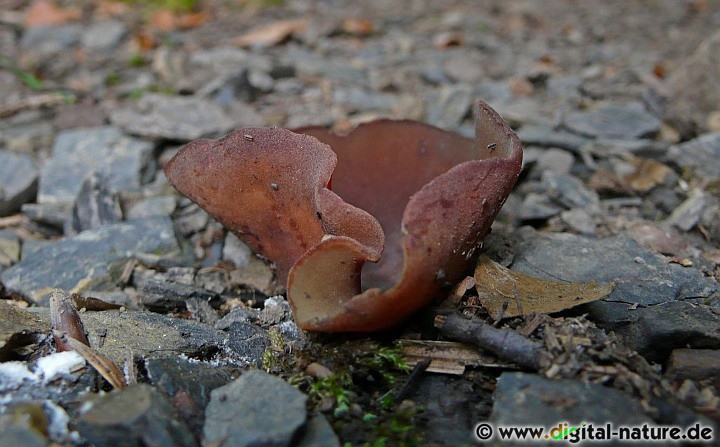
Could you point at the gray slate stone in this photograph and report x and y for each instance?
(547, 136)
(173, 118)
(48, 41)
(447, 107)
(91, 260)
(529, 399)
(701, 156)
(176, 374)
(134, 417)
(642, 276)
(104, 36)
(248, 341)
(76, 153)
(96, 205)
(673, 325)
(18, 181)
(614, 120)
(272, 413)
(569, 190)
(9, 248)
(18, 328)
(153, 207)
(319, 433)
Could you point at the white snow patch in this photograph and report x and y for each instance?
(13, 374)
(59, 364)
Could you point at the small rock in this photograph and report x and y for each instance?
(529, 399)
(19, 426)
(213, 279)
(76, 153)
(18, 181)
(448, 107)
(191, 220)
(92, 260)
(9, 248)
(46, 42)
(19, 328)
(699, 156)
(236, 251)
(547, 136)
(273, 412)
(173, 118)
(555, 160)
(202, 311)
(694, 364)
(162, 206)
(96, 205)
(161, 293)
(614, 120)
(248, 342)
(319, 433)
(136, 416)
(465, 66)
(240, 314)
(569, 191)
(672, 325)
(276, 310)
(32, 138)
(112, 332)
(103, 36)
(688, 214)
(52, 215)
(538, 207)
(256, 275)
(579, 220)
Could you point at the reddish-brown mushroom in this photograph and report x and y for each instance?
(413, 199)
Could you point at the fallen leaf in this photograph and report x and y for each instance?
(358, 27)
(166, 20)
(648, 174)
(272, 34)
(106, 367)
(47, 13)
(524, 295)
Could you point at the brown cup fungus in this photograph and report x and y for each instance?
(414, 200)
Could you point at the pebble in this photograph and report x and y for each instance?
(688, 214)
(449, 106)
(104, 36)
(273, 412)
(161, 206)
(90, 260)
(96, 205)
(614, 120)
(698, 156)
(76, 153)
(569, 191)
(138, 415)
(173, 117)
(18, 181)
(9, 248)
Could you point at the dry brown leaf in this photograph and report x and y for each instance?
(47, 13)
(447, 357)
(648, 174)
(525, 294)
(106, 367)
(272, 34)
(165, 20)
(358, 27)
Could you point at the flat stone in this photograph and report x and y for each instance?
(136, 416)
(96, 205)
(319, 433)
(52, 215)
(104, 36)
(273, 412)
(700, 156)
(44, 42)
(76, 153)
(538, 207)
(236, 251)
(91, 260)
(174, 375)
(548, 136)
(688, 213)
(18, 181)
(9, 248)
(248, 342)
(555, 160)
(449, 106)
(523, 399)
(173, 118)
(160, 293)
(569, 191)
(694, 364)
(19, 328)
(149, 334)
(643, 277)
(153, 207)
(31, 138)
(614, 120)
(673, 325)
